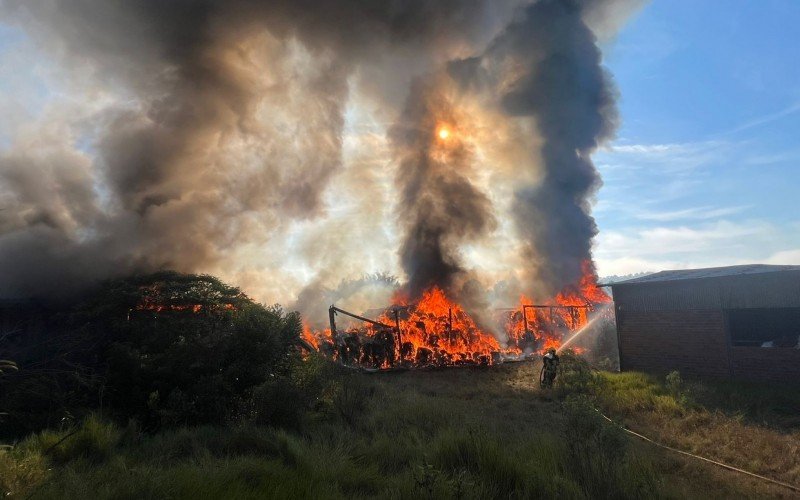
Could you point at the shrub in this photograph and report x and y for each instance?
(93, 440)
(316, 377)
(20, 471)
(277, 402)
(168, 349)
(298, 389)
(351, 397)
(577, 375)
(596, 447)
(677, 389)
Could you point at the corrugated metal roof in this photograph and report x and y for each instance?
(710, 272)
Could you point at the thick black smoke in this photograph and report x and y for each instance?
(570, 95)
(547, 66)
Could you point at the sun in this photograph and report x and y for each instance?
(444, 133)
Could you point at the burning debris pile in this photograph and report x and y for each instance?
(436, 331)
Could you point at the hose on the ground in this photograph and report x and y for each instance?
(686, 453)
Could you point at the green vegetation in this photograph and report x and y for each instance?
(179, 386)
(752, 426)
(466, 433)
(166, 349)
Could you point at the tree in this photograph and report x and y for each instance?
(166, 348)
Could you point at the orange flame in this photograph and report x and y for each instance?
(547, 323)
(436, 331)
(309, 337)
(147, 305)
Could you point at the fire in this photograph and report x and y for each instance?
(540, 326)
(436, 331)
(439, 331)
(155, 299)
(309, 337)
(147, 305)
(443, 133)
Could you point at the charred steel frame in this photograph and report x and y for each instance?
(525, 308)
(332, 316)
(333, 310)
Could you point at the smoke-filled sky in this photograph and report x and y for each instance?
(298, 148)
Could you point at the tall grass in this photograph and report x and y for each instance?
(457, 434)
(20, 472)
(752, 426)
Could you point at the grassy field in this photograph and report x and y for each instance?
(460, 433)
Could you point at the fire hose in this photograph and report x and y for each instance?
(686, 453)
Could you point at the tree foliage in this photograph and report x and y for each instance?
(165, 348)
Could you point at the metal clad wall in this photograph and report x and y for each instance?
(777, 289)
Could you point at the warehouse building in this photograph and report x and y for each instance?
(739, 322)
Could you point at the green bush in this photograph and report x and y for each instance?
(598, 454)
(298, 390)
(167, 349)
(351, 397)
(577, 375)
(677, 388)
(20, 471)
(278, 402)
(93, 440)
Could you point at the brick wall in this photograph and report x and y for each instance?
(772, 364)
(693, 342)
(696, 343)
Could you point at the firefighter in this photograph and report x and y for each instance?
(549, 368)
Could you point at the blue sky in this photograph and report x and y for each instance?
(705, 169)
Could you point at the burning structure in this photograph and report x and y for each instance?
(435, 331)
(739, 322)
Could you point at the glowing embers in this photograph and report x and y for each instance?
(146, 305)
(438, 331)
(434, 331)
(193, 298)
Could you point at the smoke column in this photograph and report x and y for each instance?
(547, 66)
(228, 127)
(439, 206)
(572, 100)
